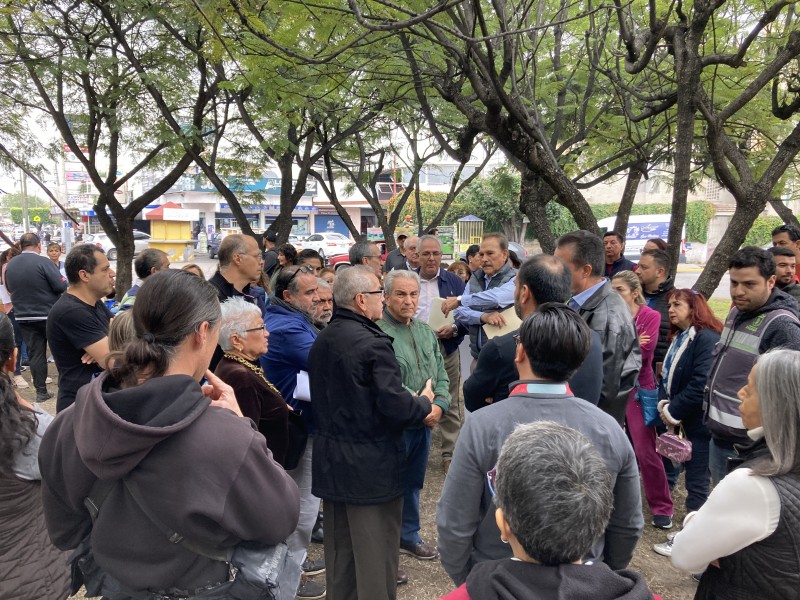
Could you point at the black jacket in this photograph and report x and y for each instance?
(621, 264)
(203, 471)
(606, 313)
(496, 370)
(689, 377)
(360, 411)
(658, 301)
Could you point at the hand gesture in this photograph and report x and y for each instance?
(433, 417)
(450, 304)
(427, 391)
(221, 394)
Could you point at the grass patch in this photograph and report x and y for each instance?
(720, 307)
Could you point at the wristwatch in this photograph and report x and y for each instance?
(458, 299)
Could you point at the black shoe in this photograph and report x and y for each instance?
(422, 551)
(43, 397)
(662, 521)
(309, 590)
(313, 567)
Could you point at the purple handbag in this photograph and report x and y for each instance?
(674, 446)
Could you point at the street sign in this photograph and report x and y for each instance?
(37, 219)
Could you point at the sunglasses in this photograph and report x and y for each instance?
(304, 269)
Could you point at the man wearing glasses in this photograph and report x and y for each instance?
(552, 343)
(240, 262)
(366, 254)
(361, 409)
(290, 321)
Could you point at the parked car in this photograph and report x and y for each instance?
(214, 240)
(141, 241)
(298, 241)
(343, 260)
(328, 244)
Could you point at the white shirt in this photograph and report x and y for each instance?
(428, 290)
(743, 509)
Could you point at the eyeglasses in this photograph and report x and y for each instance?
(256, 256)
(517, 339)
(262, 328)
(379, 291)
(490, 477)
(304, 269)
(431, 254)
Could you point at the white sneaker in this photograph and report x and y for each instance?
(665, 548)
(49, 380)
(20, 383)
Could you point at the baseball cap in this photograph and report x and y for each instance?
(270, 236)
(401, 235)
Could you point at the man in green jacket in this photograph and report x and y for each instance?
(417, 350)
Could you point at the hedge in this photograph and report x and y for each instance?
(42, 213)
(760, 233)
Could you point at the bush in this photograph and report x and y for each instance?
(760, 233)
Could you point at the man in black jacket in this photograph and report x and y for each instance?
(653, 272)
(361, 409)
(35, 284)
(540, 279)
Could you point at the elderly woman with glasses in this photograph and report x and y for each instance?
(243, 338)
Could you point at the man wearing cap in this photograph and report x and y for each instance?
(270, 254)
(396, 259)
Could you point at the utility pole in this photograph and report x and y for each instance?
(24, 187)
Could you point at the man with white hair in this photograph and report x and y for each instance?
(417, 350)
(412, 253)
(323, 309)
(361, 409)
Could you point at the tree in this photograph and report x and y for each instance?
(17, 200)
(495, 199)
(68, 63)
(734, 64)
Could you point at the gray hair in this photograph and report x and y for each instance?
(388, 279)
(322, 284)
(411, 241)
(361, 250)
(350, 282)
(555, 491)
(236, 316)
(778, 387)
(429, 238)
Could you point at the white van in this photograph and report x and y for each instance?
(640, 229)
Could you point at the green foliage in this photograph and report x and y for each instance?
(760, 233)
(15, 200)
(42, 213)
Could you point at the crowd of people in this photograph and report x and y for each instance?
(206, 430)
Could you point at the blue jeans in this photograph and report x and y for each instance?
(418, 443)
(718, 461)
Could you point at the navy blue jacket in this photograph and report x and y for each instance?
(451, 284)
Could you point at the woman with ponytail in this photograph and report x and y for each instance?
(170, 455)
(30, 566)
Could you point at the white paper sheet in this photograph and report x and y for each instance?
(512, 324)
(437, 320)
(303, 389)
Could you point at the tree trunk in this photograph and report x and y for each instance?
(534, 195)
(784, 212)
(743, 217)
(121, 234)
(626, 204)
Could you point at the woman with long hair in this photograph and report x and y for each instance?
(693, 332)
(654, 478)
(30, 566)
(148, 424)
(746, 537)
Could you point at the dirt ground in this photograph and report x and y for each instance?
(427, 579)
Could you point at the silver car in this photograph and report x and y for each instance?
(141, 241)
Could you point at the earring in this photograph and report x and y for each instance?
(503, 540)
